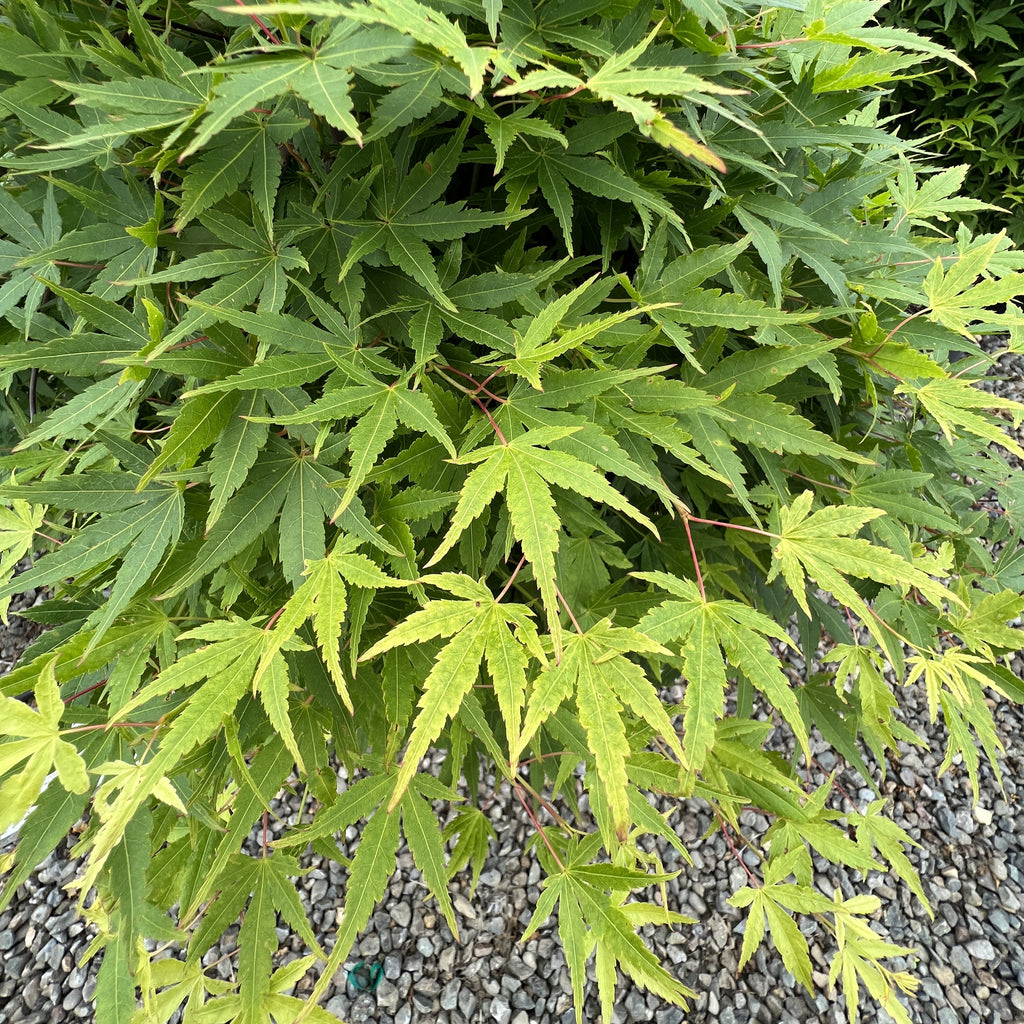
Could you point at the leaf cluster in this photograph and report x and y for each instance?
(406, 380)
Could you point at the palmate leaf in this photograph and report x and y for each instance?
(589, 917)
(39, 745)
(525, 471)
(379, 408)
(227, 664)
(140, 535)
(820, 546)
(950, 403)
(480, 627)
(259, 888)
(374, 860)
(323, 597)
(706, 628)
(595, 669)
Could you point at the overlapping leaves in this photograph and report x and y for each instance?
(347, 292)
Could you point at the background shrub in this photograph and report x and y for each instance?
(394, 376)
(976, 120)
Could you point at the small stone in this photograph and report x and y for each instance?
(423, 1000)
(404, 1014)
(500, 1009)
(982, 815)
(981, 949)
(401, 914)
(999, 921)
(425, 946)
(669, 1015)
(338, 1006)
(636, 1006)
(519, 969)
(30, 994)
(52, 953)
(947, 821)
(450, 995)
(943, 975)
(1009, 900)
(960, 960)
(387, 995)
(467, 1003)
(392, 967)
(464, 907)
(491, 878)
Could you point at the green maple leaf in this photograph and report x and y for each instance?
(957, 299)
(139, 535)
(262, 888)
(481, 629)
(39, 745)
(706, 629)
(253, 270)
(589, 918)
(819, 546)
(226, 664)
(524, 471)
(595, 669)
(775, 902)
(324, 598)
(475, 834)
(951, 403)
(406, 216)
(374, 860)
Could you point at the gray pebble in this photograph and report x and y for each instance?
(501, 1011)
(961, 961)
(450, 995)
(636, 1006)
(669, 1015)
(401, 914)
(387, 995)
(981, 949)
(947, 821)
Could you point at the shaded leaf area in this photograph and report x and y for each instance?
(414, 380)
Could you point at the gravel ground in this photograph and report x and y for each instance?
(970, 958)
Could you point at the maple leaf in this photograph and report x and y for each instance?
(706, 628)
(589, 917)
(525, 471)
(595, 670)
(819, 545)
(39, 745)
(481, 629)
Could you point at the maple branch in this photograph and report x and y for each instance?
(511, 580)
(266, 31)
(762, 46)
(565, 605)
(517, 789)
(82, 693)
(729, 526)
(696, 563)
(735, 852)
